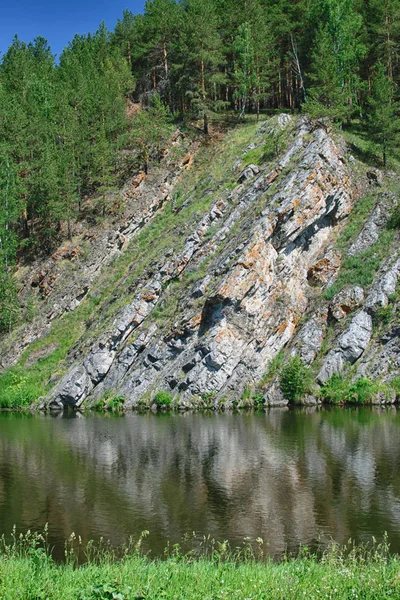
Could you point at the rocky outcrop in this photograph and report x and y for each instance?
(346, 301)
(263, 245)
(374, 225)
(348, 348)
(309, 340)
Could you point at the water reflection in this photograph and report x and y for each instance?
(291, 477)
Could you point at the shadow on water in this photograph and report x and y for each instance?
(291, 477)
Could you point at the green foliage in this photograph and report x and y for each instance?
(247, 392)
(208, 398)
(28, 572)
(295, 379)
(382, 111)
(361, 268)
(395, 384)
(9, 306)
(151, 129)
(258, 401)
(382, 315)
(107, 591)
(116, 403)
(163, 399)
(274, 368)
(337, 52)
(338, 390)
(394, 221)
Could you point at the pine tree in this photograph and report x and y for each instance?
(338, 49)
(150, 131)
(383, 111)
(9, 213)
(203, 73)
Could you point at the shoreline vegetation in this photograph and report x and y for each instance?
(213, 571)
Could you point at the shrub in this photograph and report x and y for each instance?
(394, 221)
(339, 391)
(395, 384)
(335, 390)
(116, 403)
(247, 392)
(382, 315)
(258, 401)
(295, 379)
(208, 397)
(163, 399)
(273, 368)
(362, 391)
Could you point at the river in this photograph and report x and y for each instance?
(292, 477)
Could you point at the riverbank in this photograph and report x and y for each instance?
(339, 573)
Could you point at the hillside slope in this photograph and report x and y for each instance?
(243, 263)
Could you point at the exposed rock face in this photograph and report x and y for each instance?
(325, 270)
(248, 173)
(346, 301)
(382, 358)
(349, 347)
(274, 397)
(374, 225)
(309, 340)
(262, 247)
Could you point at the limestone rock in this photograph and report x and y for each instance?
(73, 389)
(274, 397)
(374, 225)
(308, 341)
(346, 301)
(348, 348)
(248, 173)
(324, 271)
(260, 250)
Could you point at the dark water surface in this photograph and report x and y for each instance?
(289, 476)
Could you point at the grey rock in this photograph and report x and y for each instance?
(374, 225)
(309, 340)
(385, 397)
(73, 388)
(274, 397)
(384, 286)
(375, 177)
(248, 173)
(346, 302)
(310, 400)
(98, 363)
(348, 348)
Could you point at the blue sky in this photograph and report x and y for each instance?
(58, 21)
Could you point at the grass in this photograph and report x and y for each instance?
(339, 390)
(27, 572)
(20, 385)
(274, 368)
(361, 268)
(366, 150)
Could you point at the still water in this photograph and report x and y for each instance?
(289, 476)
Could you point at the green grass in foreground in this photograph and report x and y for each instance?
(28, 573)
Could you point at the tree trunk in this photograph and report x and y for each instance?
(205, 127)
(384, 152)
(25, 226)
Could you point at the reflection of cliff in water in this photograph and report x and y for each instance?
(290, 477)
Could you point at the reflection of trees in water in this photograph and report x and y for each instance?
(287, 476)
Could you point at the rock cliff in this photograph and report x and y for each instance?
(259, 272)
